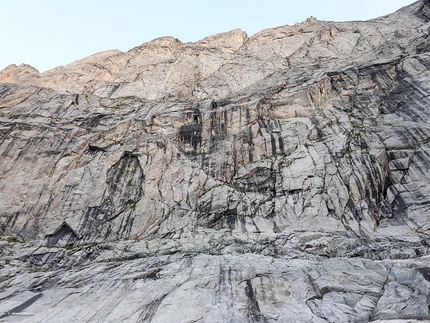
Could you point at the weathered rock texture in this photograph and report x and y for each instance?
(278, 178)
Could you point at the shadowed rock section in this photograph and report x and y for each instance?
(63, 236)
(114, 218)
(125, 181)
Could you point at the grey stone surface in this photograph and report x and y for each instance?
(282, 177)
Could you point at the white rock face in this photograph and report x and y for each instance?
(282, 177)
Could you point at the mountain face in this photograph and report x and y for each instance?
(282, 177)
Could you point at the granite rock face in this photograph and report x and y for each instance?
(282, 177)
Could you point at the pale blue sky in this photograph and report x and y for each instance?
(50, 33)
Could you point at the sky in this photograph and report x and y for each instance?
(50, 33)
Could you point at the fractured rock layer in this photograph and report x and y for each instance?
(309, 142)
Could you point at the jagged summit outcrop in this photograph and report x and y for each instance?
(282, 177)
(14, 73)
(166, 69)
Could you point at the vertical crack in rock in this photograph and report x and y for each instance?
(253, 312)
(223, 293)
